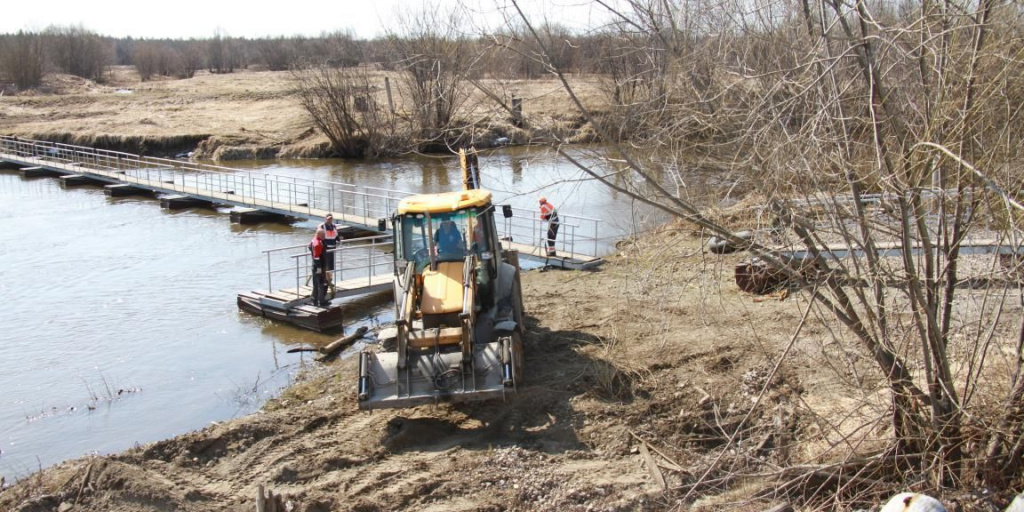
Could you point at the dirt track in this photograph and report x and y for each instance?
(613, 356)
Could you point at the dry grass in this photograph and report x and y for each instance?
(254, 112)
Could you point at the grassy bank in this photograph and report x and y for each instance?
(247, 115)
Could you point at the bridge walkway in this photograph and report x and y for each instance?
(360, 207)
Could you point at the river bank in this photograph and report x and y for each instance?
(246, 115)
(596, 373)
(635, 375)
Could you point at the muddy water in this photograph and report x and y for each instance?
(118, 322)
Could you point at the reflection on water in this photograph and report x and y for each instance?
(103, 295)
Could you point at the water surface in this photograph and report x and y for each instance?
(119, 324)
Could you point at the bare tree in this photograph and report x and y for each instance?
(22, 59)
(146, 56)
(78, 51)
(221, 54)
(180, 59)
(868, 131)
(190, 57)
(277, 53)
(341, 49)
(342, 104)
(434, 60)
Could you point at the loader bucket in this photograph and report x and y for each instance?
(430, 377)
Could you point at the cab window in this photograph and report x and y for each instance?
(450, 235)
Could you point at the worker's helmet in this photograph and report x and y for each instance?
(542, 200)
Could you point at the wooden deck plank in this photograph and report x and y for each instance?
(541, 252)
(292, 291)
(362, 282)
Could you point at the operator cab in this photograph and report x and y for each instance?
(441, 228)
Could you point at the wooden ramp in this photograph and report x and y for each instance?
(293, 305)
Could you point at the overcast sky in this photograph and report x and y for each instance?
(200, 18)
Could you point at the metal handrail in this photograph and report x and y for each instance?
(251, 188)
(294, 195)
(526, 224)
(375, 262)
(346, 240)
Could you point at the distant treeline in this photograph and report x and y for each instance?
(26, 57)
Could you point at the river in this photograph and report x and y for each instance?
(119, 324)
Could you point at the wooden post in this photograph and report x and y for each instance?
(391, 101)
(336, 345)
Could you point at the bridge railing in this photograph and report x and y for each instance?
(302, 196)
(299, 196)
(576, 234)
(354, 260)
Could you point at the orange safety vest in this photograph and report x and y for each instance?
(330, 233)
(547, 211)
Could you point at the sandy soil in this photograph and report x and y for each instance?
(239, 104)
(656, 352)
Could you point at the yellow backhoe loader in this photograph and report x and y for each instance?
(458, 305)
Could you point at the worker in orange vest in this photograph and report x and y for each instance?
(331, 237)
(318, 250)
(549, 214)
